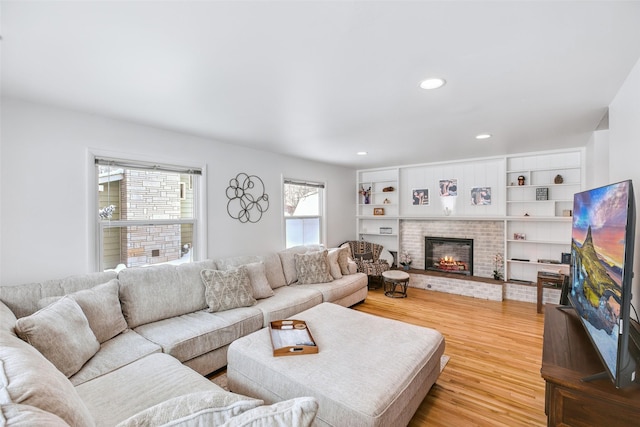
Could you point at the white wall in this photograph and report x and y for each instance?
(47, 223)
(597, 160)
(624, 152)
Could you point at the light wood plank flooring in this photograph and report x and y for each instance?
(493, 376)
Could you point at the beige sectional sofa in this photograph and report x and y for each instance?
(131, 348)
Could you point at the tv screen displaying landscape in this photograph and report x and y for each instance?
(598, 252)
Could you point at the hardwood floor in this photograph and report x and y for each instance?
(493, 376)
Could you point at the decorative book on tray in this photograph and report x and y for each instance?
(291, 337)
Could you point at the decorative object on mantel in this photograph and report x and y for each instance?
(405, 260)
(521, 180)
(558, 179)
(387, 189)
(247, 198)
(366, 194)
(498, 263)
(386, 201)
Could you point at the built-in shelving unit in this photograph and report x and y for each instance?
(535, 210)
(378, 214)
(540, 189)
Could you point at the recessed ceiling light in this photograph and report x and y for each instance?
(362, 153)
(433, 83)
(483, 136)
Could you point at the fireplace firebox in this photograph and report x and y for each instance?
(448, 255)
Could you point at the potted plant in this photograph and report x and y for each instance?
(405, 260)
(498, 263)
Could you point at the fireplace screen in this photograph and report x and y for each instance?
(449, 255)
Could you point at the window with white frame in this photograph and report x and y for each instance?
(303, 212)
(147, 213)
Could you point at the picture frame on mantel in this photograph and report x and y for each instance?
(378, 211)
(420, 197)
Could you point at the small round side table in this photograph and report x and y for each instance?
(395, 283)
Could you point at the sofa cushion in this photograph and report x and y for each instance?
(340, 288)
(7, 319)
(147, 381)
(287, 258)
(191, 335)
(148, 294)
(272, 265)
(120, 350)
(101, 306)
(299, 412)
(61, 333)
(16, 415)
(258, 278)
(228, 289)
(287, 301)
(26, 377)
(205, 408)
(312, 267)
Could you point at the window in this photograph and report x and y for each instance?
(147, 213)
(303, 218)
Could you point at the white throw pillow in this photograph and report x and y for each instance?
(299, 412)
(259, 282)
(207, 408)
(61, 333)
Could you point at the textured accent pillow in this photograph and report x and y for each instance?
(61, 333)
(312, 267)
(101, 305)
(300, 412)
(228, 289)
(258, 278)
(16, 415)
(207, 408)
(334, 266)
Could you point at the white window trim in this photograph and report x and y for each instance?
(323, 209)
(94, 227)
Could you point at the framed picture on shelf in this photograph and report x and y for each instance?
(420, 197)
(385, 230)
(519, 236)
(378, 211)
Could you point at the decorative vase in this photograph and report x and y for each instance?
(366, 200)
(406, 267)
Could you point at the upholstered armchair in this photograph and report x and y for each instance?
(367, 257)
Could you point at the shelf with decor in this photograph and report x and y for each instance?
(377, 213)
(539, 203)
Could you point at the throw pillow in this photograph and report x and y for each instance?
(334, 266)
(300, 411)
(228, 289)
(258, 278)
(16, 415)
(61, 333)
(27, 378)
(313, 267)
(364, 257)
(207, 408)
(101, 305)
(343, 260)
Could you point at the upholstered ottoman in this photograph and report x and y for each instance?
(369, 371)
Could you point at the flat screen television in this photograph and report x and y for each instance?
(602, 240)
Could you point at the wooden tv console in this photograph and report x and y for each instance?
(567, 357)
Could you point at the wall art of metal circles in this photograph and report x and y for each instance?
(247, 198)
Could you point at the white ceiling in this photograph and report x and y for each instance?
(324, 79)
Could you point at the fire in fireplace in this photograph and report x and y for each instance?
(448, 254)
